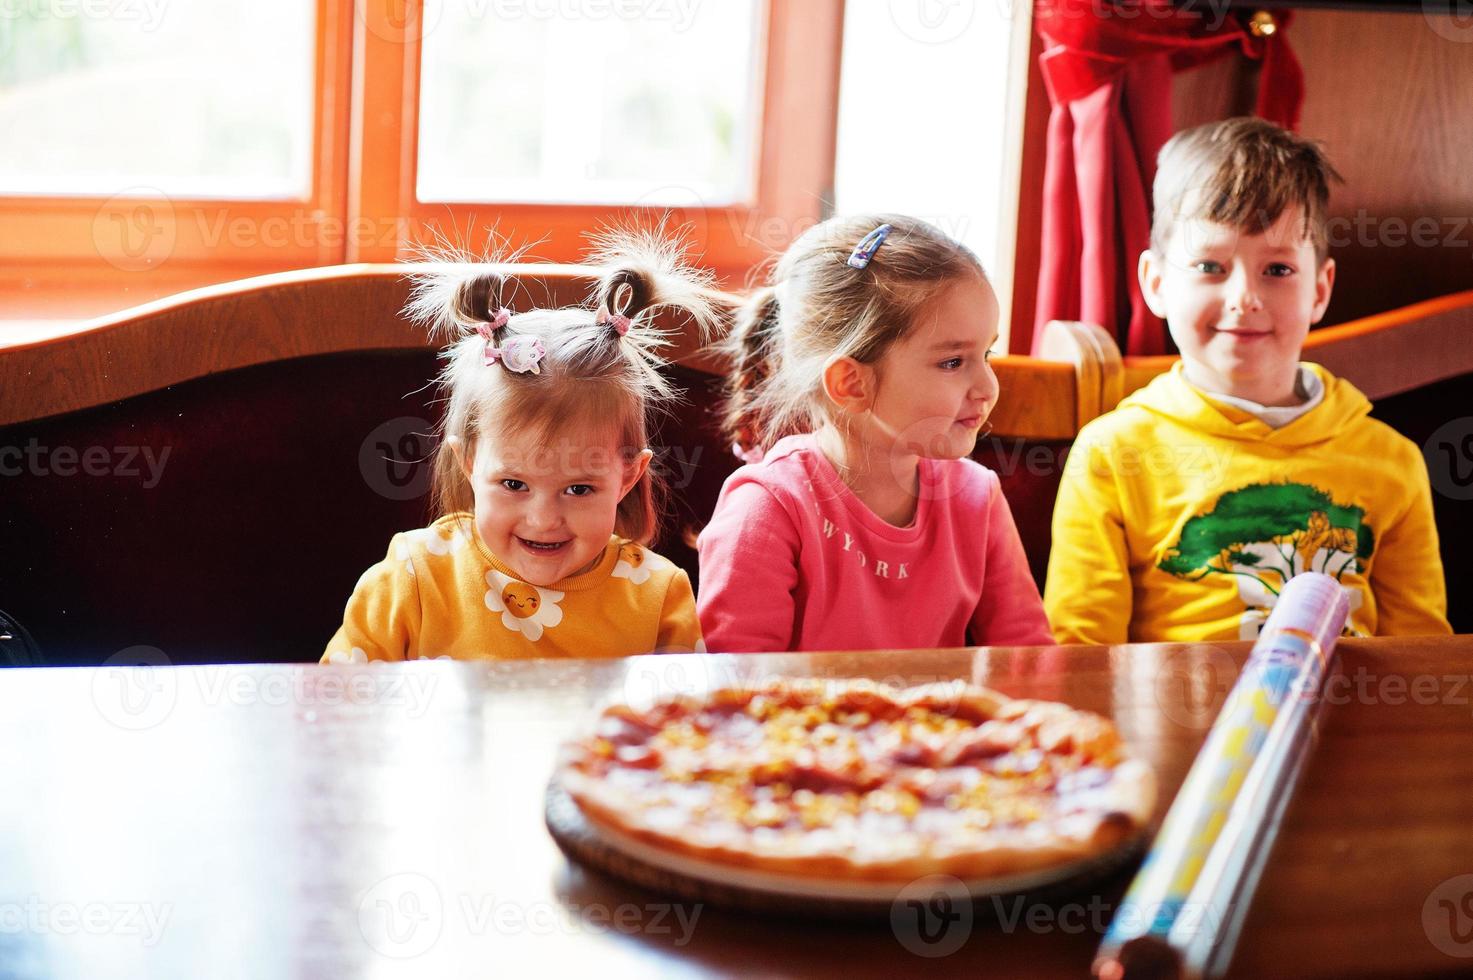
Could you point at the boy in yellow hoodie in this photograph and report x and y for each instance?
(1182, 513)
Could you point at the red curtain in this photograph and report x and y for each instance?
(1108, 65)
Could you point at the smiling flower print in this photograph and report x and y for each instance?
(637, 564)
(524, 608)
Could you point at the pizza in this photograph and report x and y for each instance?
(854, 781)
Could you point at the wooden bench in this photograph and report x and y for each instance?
(205, 477)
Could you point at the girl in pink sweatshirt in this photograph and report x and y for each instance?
(859, 522)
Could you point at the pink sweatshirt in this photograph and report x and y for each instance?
(792, 560)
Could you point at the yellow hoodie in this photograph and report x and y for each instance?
(440, 593)
(1179, 518)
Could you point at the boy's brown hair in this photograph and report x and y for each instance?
(1241, 172)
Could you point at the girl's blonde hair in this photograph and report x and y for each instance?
(592, 379)
(817, 307)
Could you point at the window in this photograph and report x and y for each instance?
(152, 147)
(175, 99)
(929, 108)
(542, 104)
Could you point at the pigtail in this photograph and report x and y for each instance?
(479, 298)
(451, 295)
(451, 298)
(753, 347)
(645, 273)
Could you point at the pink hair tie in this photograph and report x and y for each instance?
(501, 319)
(618, 321)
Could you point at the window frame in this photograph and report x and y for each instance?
(53, 241)
(795, 101)
(362, 205)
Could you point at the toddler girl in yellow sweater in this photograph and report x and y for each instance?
(542, 477)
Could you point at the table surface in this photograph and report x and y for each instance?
(299, 820)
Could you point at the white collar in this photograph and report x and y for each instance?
(1307, 385)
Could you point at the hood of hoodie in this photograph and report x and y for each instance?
(1171, 397)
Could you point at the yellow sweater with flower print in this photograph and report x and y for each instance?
(441, 593)
(1180, 517)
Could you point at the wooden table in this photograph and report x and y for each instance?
(262, 821)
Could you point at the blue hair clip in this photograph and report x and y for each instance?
(867, 247)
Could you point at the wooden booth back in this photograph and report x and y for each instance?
(203, 479)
